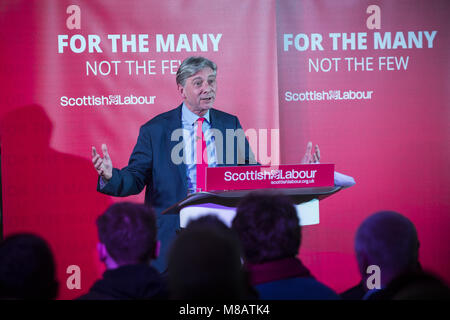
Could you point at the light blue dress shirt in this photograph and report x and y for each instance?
(189, 125)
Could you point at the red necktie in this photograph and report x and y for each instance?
(201, 164)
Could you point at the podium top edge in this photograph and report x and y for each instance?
(317, 191)
(234, 195)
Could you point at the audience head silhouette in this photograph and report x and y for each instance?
(205, 263)
(127, 234)
(388, 240)
(27, 268)
(268, 227)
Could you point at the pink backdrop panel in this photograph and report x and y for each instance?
(49, 184)
(394, 144)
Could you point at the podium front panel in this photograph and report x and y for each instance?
(308, 213)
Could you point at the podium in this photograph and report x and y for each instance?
(223, 203)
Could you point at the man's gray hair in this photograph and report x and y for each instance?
(191, 66)
(389, 240)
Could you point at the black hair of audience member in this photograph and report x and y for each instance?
(27, 268)
(268, 227)
(128, 231)
(127, 244)
(211, 222)
(205, 263)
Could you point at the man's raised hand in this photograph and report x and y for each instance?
(102, 165)
(311, 158)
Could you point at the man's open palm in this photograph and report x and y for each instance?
(102, 165)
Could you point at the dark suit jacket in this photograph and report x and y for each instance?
(129, 282)
(151, 166)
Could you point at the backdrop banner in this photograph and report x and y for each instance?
(367, 81)
(79, 74)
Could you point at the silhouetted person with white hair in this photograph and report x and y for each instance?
(388, 240)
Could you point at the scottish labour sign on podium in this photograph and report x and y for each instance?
(306, 185)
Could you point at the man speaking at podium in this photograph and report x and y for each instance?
(154, 164)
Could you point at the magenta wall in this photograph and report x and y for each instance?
(395, 145)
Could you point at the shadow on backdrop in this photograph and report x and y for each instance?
(51, 194)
